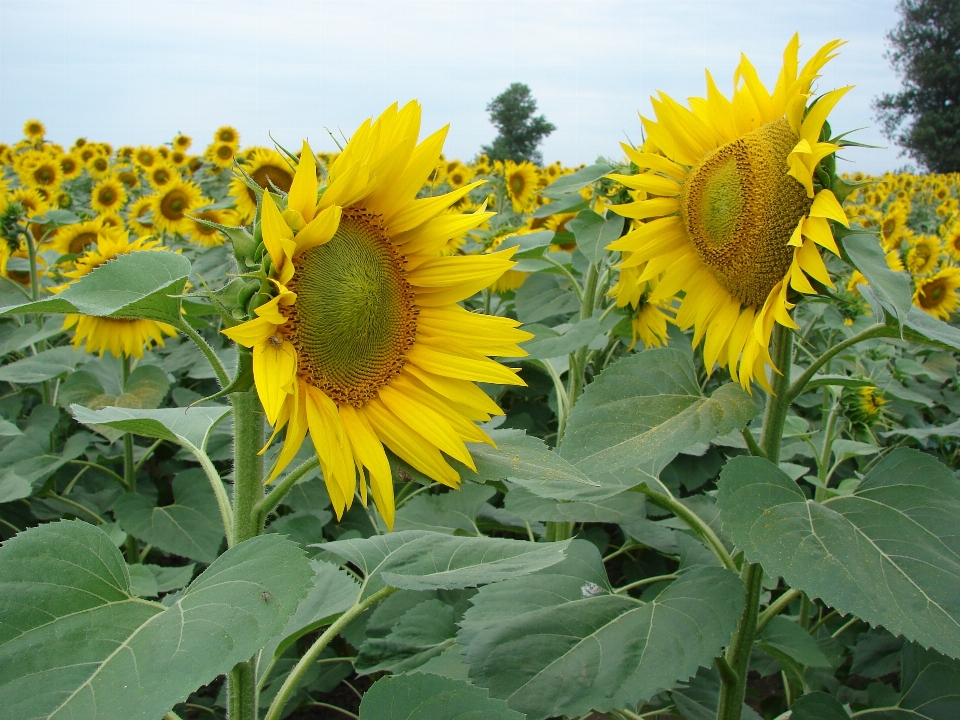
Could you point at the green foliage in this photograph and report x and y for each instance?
(887, 552)
(519, 130)
(66, 586)
(924, 117)
(429, 697)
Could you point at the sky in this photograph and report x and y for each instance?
(139, 71)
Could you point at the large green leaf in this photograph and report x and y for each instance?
(76, 643)
(145, 389)
(644, 410)
(189, 527)
(184, 426)
(44, 365)
(409, 628)
(868, 257)
(594, 233)
(575, 181)
(889, 553)
(525, 460)
(424, 560)
(561, 643)
(138, 285)
(548, 343)
(916, 325)
(422, 696)
(451, 511)
(623, 508)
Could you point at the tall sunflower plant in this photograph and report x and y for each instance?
(672, 435)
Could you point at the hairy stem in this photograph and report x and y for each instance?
(129, 468)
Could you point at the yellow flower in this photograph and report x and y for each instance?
(220, 154)
(77, 238)
(34, 130)
(649, 320)
(98, 166)
(41, 171)
(172, 204)
(119, 336)
(136, 213)
(522, 181)
(182, 142)
(33, 202)
(145, 157)
(108, 195)
(70, 166)
(162, 174)
(262, 165)
(205, 236)
(365, 344)
(937, 294)
(227, 134)
(734, 219)
(459, 176)
(924, 254)
(892, 226)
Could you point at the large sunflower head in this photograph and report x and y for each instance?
(162, 174)
(78, 238)
(227, 134)
(364, 344)
(173, 203)
(937, 294)
(264, 167)
(34, 130)
(119, 336)
(98, 166)
(221, 154)
(70, 166)
(734, 210)
(182, 142)
(522, 181)
(108, 196)
(140, 216)
(145, 156)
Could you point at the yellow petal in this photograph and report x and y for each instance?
(471, 367)
(274, 372)
(303, 191)
(332, 446)
(277, 236)
(251, 332)
(825, 205)
(818, 230)
(296, 431)
(368, 451)
(319, 230)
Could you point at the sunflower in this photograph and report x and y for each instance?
(511, 279)
(44, 172)
(365, 344)
(649, 320)
(521, 181)
(171, 205)
(129, 178)
(227, 134)
(206, 236)
(77, 238)
(145, 157)
(735, 218)
(182, 142)
(937, 294)
(923, 255)
(262, 164)
(32, 201)
(34, 130)
(866, 405)
(70, 166)
(893, 226)
(459, 176)
(951, 239)
(136, 213)
(179, 158)
(121, 336)
(108, 196)
(221, 154)
(98, 166)
(162, 174)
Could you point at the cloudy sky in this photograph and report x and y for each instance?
(132, 72)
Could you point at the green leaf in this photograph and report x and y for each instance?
(146, 388)
(868, 257)
(525, 460)
(622, 508)
(699, 698)
(564, 204)
(422, 696)
(528, 244)
(143, 583)
(188, 528)
(332, 591)
(645, 409)
(138, 285)
(44, 365)
(575, 181)
(819, 706)
(184, 426)
(548, 343)
(423, 560)
(792, 640)
(889, 553)
(594, 233)
(451, 511)
(544, 295)
(400, 639)
(76, 643)
(917, 326)
(27, 335)
(560, 643)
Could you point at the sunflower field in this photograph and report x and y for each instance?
(379, 434)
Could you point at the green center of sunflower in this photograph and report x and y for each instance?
(740, 208)
(931, 294)
(107, 196)
(354, 318)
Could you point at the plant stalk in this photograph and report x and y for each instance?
(242, 693)
(129, 467)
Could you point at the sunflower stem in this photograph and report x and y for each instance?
(129, 466)
(733, 688)
(242, 694)
(222, 377)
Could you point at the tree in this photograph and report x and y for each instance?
(511, 112)
(924, 117)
